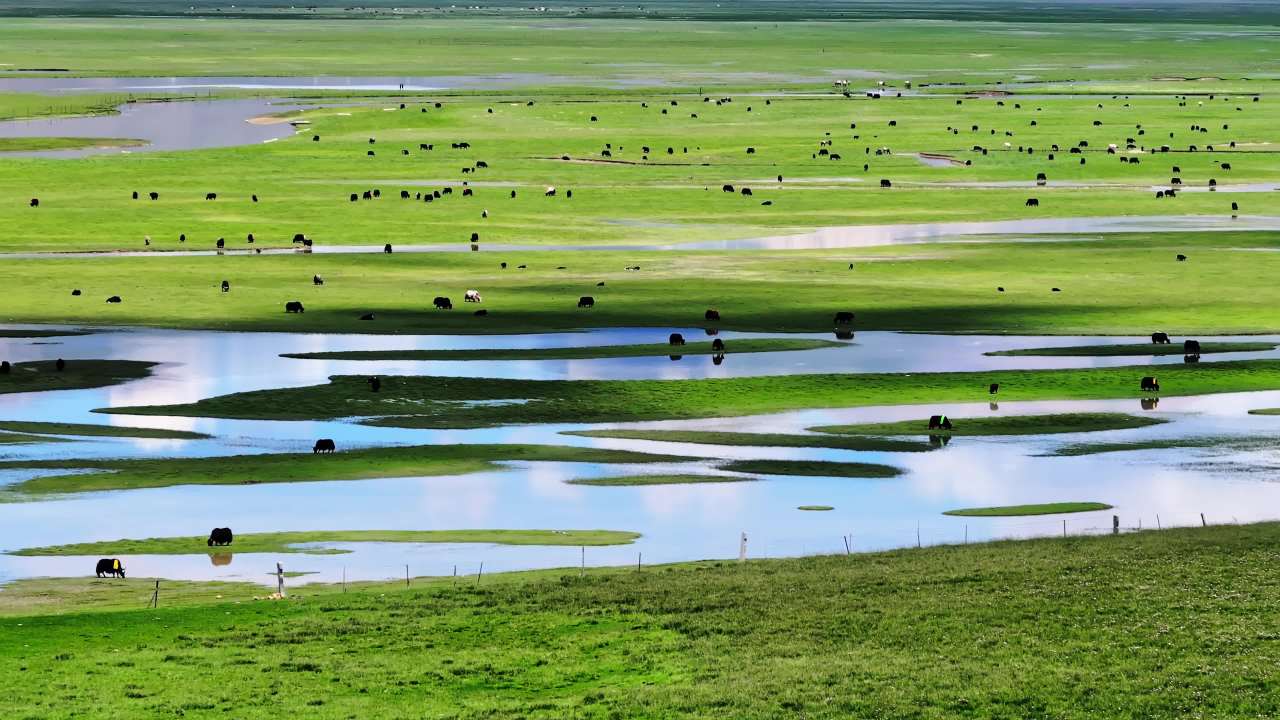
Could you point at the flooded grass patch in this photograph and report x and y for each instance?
(1136, 349)
(314, 542)
(640, 480)
(1003, 425)
(748, 345)
(813, 468)
(84, 430)
(704, 437)
(1039, 509)
(42, 375)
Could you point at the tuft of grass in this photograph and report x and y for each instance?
(387, 462)
(1003, 425)
(634, 480)
(815, 508)
(1037, 509)
(811, 467)
(85, 430)
(577, 353)
(713, 437)
(37, 144)
(290, 542)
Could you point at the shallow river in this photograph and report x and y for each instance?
(679, 522)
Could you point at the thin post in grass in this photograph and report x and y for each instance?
(480, 572)
(1064, 527)
(583, 570)
(846, 544)
(155, 596)
(344, 578)
(917, 535)
(742, 548)
(638, 556)
(1202, 522)
(966, 533)
(406, 575)
(1158, 522)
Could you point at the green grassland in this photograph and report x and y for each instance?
(365, 464)
(63, 143)
(1007, 425)
(1124, 284)
(434, 402)
(303, 186)
(587, 52)
(83, 430)
(9, 438)
(1206, 348)
(989, 629)
(289, 542)
(38, 375)
(752, 439)
(1020, 510)
(694, 347)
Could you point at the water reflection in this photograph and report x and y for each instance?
(679, 522)
(186, 125)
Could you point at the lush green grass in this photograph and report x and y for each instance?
(24, 144)
(713, 437)
(1206, 348)
(425, 460)
(39, 375)
(1040, 509)
(576, 353)
(815, 508)
(288, 542)
(83, 430)
(414, 401)
(989, 630)
(811, 467)
(586, 50)
(1003, 425)
(636, 480)
(1120, 284)
(1265, 411)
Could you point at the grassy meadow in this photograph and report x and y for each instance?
(1159, 624)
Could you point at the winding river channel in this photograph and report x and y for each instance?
(678, 522)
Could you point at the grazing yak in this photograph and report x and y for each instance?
(844, 317)
(711, 316)
(75, 292)
(746, 191)
(726, 188)
(35, 202)
(1191, 347)
(367, 316)
(354, 197)
(442, 303)
(993, 389)
(675, 339)
(220, 244)
(387, 248)
(211, 196)
(884, 183)
(717, 345)
(1033, 202)
(939, 422)
(1160, 338)
(114, 299)
(1181, 257)
(471, 296)
(220, 537)
(1149, 384)
(404, 194)
(317, 280)
(109, 567)
(5, 367)
(586, 301)
(375, 384)
(154, 195)
(294, 306)
(480, 313)
(323, 446)
(226, 286)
